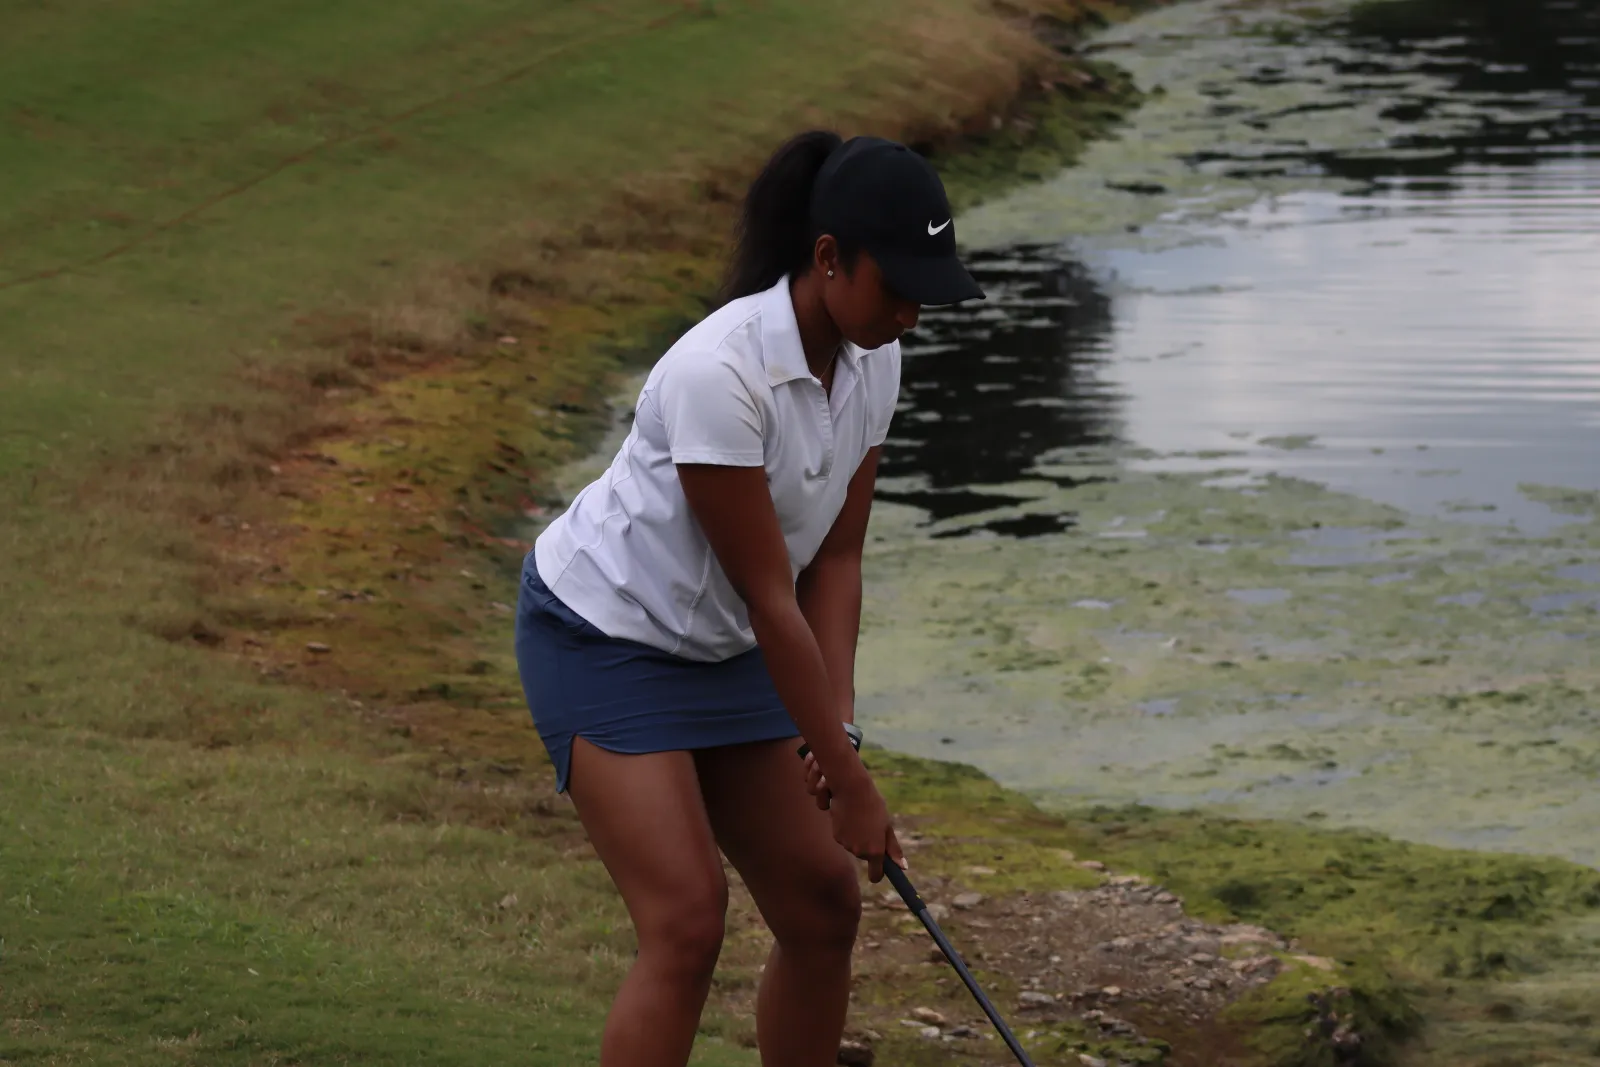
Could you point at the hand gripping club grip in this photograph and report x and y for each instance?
(851, 730)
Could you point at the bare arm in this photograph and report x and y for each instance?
(829, 589)
(734, 509)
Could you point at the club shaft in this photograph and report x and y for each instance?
(909, 894)
(913, 899)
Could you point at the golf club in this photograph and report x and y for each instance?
(913, 899)
(908, 893)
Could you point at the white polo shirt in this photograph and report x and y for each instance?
(628, 554)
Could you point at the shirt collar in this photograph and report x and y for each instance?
(781, 350)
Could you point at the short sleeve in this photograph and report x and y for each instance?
(708, 413)
(887, 396)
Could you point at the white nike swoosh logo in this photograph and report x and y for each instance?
(934, 230)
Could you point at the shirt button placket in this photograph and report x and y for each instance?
(826, 414)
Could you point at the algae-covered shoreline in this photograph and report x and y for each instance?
(1094, 624)
(1206, 623)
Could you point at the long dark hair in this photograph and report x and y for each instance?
(775, 235)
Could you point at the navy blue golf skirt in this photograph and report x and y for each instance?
(625, 696)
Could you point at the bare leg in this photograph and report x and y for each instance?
(647, 822)
(806, 886)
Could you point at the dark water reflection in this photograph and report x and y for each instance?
(1539, 59)
(1436, 331)
(1532, 67)
(986, 391)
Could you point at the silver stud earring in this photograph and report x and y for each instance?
(830, 274)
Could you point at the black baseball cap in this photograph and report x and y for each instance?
(887, 198)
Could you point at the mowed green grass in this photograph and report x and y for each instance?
(419, 134)
(182, 186)
(119, 952)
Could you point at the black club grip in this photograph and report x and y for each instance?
(851, 730)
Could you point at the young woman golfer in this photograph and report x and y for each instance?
(692, 617)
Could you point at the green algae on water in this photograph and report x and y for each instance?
(1282, 651)
(1140, 184)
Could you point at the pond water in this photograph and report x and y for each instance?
(1265, 477)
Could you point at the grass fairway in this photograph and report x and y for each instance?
(217, 172)
(242, 912)
(199, 865)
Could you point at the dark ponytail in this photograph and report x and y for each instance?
(775, 236)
